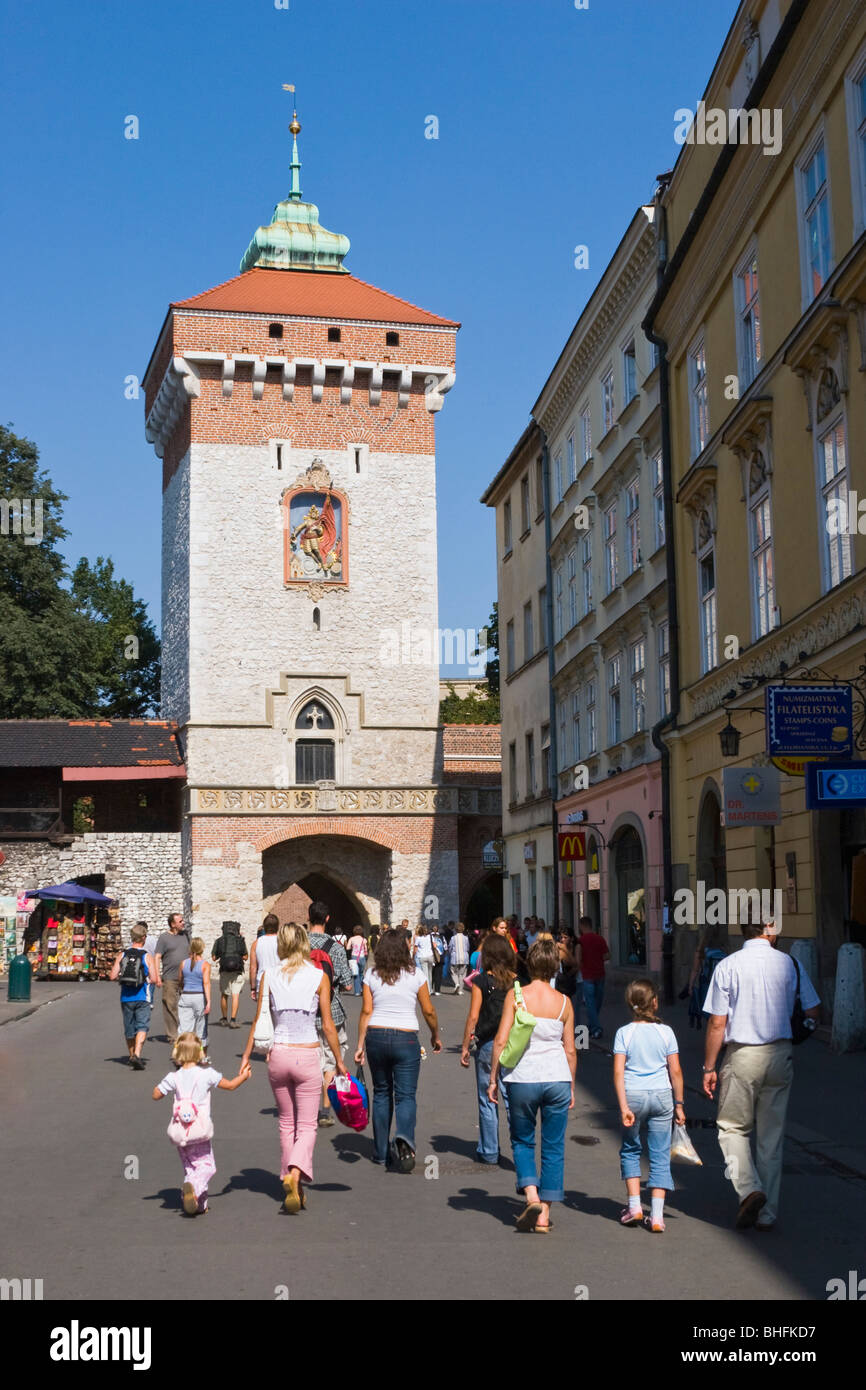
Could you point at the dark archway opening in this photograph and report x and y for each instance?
(485, 902)
(345, 914)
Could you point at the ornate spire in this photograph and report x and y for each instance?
(294, 239)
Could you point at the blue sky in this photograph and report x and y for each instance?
(553, 123)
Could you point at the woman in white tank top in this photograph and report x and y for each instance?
(296, 991)
(540, 1084)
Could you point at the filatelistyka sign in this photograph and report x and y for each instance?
(809, 719)
(751, 796)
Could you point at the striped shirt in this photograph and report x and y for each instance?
(756, 988)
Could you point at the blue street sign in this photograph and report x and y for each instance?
(809, 719)
(833, 787)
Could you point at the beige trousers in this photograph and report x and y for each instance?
(754, 1085)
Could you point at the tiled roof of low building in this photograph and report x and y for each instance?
(89, 743)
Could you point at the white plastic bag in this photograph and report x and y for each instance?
(682, 1147)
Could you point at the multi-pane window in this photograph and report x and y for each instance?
(314, 760)
(607, 401)
(542, 617)
(586, 566)
(763, 585)
(530, 765)
(516, 906)
(638, 686)
(545, 758)
(748, 321)
(557, 603)
(524, 504)
(575, 725)
(833, 477)
(707, 596)
(557, 479)
(815, 220)
(564, 750)
(539, 487)
(506, 525)
(570, 459)
(528, 636)
(632, 525)
(700, 418)
(591, 732)
(614, 699)
(664, 657)
(653, 354)
(629, 371)
(585, 435)
(856, 92)
(509, 647)
(610, 567)
(512, 772)
(572, 587)
(658, 500)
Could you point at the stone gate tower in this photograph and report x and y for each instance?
(293, 408)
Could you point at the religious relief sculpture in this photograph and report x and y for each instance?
(316, 532)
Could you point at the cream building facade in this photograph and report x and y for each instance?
(763, 312)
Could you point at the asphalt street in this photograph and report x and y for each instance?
(91, 1187)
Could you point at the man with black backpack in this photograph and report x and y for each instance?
(135, 969)
(231, 952)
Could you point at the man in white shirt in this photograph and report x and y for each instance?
(750, 1000)
(458, 954)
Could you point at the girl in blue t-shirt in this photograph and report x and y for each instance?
(649, 1087)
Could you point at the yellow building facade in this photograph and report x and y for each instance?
(762, 313)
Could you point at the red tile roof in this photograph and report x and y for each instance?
(89, 743)
(310, 294)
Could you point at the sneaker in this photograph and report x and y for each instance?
(234, 1024)
(657, 1226)
(627, 1217)
(402, 1156)
(326, 1119)
(136, 1063)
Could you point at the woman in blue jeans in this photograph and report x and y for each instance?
(649, 1087)
(542, 1083)
(388, 1029)
(490, 989)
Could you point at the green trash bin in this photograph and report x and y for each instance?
(20, 976)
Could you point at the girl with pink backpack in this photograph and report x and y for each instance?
(191, 1127)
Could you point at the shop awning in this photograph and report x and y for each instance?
(70, 893)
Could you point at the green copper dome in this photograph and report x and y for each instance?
(294, 239)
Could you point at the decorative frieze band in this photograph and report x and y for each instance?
(388, 801)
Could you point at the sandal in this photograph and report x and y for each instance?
(527, 1219)
(292, 1201)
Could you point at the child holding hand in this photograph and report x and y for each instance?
(191, 1127)
(649, 1087)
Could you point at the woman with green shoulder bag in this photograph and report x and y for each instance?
(534, 1050)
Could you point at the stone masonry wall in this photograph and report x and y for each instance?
(142, 870)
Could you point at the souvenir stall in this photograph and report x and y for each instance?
(71, 934)
(8, 923)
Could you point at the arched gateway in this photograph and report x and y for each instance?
(293, 409)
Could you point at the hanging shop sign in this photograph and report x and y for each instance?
(804, 720)
(576, 817)
(751, 796)
(795, 767)
(834, 786)
(491, 854)
(572, 844)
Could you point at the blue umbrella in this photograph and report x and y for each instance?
(70, 893)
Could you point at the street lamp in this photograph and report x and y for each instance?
(729, 738)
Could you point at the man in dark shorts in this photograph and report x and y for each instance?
(136, 1001)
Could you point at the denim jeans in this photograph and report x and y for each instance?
(488, 1113)
(525, 1099)
(653, 1111)
(593, 998)
(395, 1061)
(358, 980)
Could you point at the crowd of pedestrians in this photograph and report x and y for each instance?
(528, 996)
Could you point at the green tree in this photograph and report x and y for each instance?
(478, 708)
(55, 644)
(127, 647)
